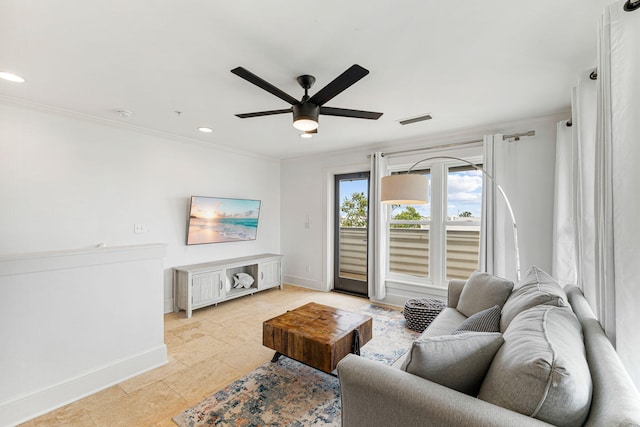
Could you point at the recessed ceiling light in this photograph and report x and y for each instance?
(125, 114)
(11, 77)
(205, 129)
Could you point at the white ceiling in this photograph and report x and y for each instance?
(469, 63)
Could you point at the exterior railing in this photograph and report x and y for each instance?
(409, 251)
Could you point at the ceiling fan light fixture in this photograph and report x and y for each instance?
(305, 116)
(306, 135)
(305, 124)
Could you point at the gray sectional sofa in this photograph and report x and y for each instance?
(544, 360)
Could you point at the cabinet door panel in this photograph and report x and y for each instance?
(269, 274)
(206, 287)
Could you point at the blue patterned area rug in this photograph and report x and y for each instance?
(288, 393)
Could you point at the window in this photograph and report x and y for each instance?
(429, 244)
(409, 237)
(462, 225)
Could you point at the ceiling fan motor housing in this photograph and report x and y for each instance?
(305, 111)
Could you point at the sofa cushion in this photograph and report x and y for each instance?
(541, 369)
(536, 287)
(485, 321)
(483, 291)
(459, 361)
(444, 323)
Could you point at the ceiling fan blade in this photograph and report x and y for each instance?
(340, 83)
(263, 113)
(343, 112)
(263, 84)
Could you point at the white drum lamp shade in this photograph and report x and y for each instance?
(404, 189)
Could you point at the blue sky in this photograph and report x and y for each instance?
(347, 188)
(213, 207)
(464, 193)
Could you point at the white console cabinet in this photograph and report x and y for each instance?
(201, 285)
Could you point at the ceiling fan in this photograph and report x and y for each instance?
(306, 111)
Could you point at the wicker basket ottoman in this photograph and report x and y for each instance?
(420, 312)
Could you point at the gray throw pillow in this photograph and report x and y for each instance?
(541, 369)
(486, 321)
(459, 361)
(536, 287)
(483, 291)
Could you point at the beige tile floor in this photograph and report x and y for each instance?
(218, 345)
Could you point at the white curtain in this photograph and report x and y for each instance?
(486, 259)
(575, 216)
(584, 125)
(582, 209)
(620, 48)
(575, 223)
(603, 188)
(605, 153)
(377, 246)
(497, 250)
(564, 262)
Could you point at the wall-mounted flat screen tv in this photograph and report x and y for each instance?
(218, 220)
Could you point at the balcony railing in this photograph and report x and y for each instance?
(409, 251)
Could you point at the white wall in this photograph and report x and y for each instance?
(307, 190)
(529, 183)
(68, 182)
(76, 322)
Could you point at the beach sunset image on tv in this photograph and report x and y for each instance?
(217, 220)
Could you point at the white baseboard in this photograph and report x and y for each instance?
(394, 300)
(397, 294)
(304, 282)
(38, 403)
(168, 306)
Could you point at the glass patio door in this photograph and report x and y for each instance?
(351, 233)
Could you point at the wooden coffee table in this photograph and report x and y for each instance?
(317, 335)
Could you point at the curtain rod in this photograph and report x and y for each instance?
(435, 147)
(515, 136)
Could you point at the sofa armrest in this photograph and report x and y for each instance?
(615, 400)
(374, 394)
(454, 291)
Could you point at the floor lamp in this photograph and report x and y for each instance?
(411, 189)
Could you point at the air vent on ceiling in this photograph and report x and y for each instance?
(415, 119)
